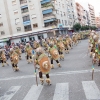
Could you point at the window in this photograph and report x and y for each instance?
(2, 33)
(35, 25)
(29, 0)
(61, 13)
(64, 14)
(0, 15)
(24, 10)
(18, 29)
(31, 7)
(57, 11)
(62, 22)
(59, 3)
(63, 5)
(33, 16)
(1, 24)
(27, 28)
(23, 1)
(17, 21)
(15, 12)
(14, 2)
(65, 22)
(26, 18)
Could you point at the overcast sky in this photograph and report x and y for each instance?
(95, 3)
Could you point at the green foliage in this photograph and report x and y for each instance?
(93, 27)
(84, 28)
(77, 27)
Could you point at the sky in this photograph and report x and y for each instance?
(95, 3)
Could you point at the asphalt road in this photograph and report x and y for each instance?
(73, 81)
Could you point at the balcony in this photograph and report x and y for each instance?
(47, 6)
(50, 22)
(45, 1)
(24, 9)
(47, 11)
(49, 16)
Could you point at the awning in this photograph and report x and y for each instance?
(49, 20)
(24, 6)
(47, 11)
(27, 23)
(4, 40)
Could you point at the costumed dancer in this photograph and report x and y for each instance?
(54, 54)
(3, 58)
(61, 48)
(74, 39)
(14, 59)
(28, 50)
(18, 51)
(91, 42)
(44, 65)
(66, 45)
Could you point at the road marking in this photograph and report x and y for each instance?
(61, 91)
(84, 56)
(55, 74)
(34, 93)
(91, 90)
(10, 93)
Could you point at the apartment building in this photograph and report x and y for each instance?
(5, 28)
(71, 12)
(97, 19)
(25, 20)
(92, 15)
(80, 13)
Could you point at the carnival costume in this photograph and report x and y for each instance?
(44, 65)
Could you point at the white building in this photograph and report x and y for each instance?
(24, 20)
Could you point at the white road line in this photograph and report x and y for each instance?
(55, 74)
(84, 56)
(61, 91)
(91, 90)
(10, 93)
(34, 93)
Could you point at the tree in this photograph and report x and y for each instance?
(83, 28)
(77, 27)
(93, 27)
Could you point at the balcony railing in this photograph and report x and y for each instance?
(54, 23)
(25, 10)
(48, 15)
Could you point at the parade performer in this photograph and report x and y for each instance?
(18, 51)
(28, 50)
(44, 65)
(66, 45)
(61, 48)
(36, 44)
(95, 49)
(74, 39)
(91, 42)
(3, 58)
(14, 59)
(54, 54)
(69, 41)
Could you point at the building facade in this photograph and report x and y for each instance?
(25, 20)
(81, 14)
(97, 19)
(92, 15)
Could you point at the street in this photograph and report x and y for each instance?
(73, 81)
